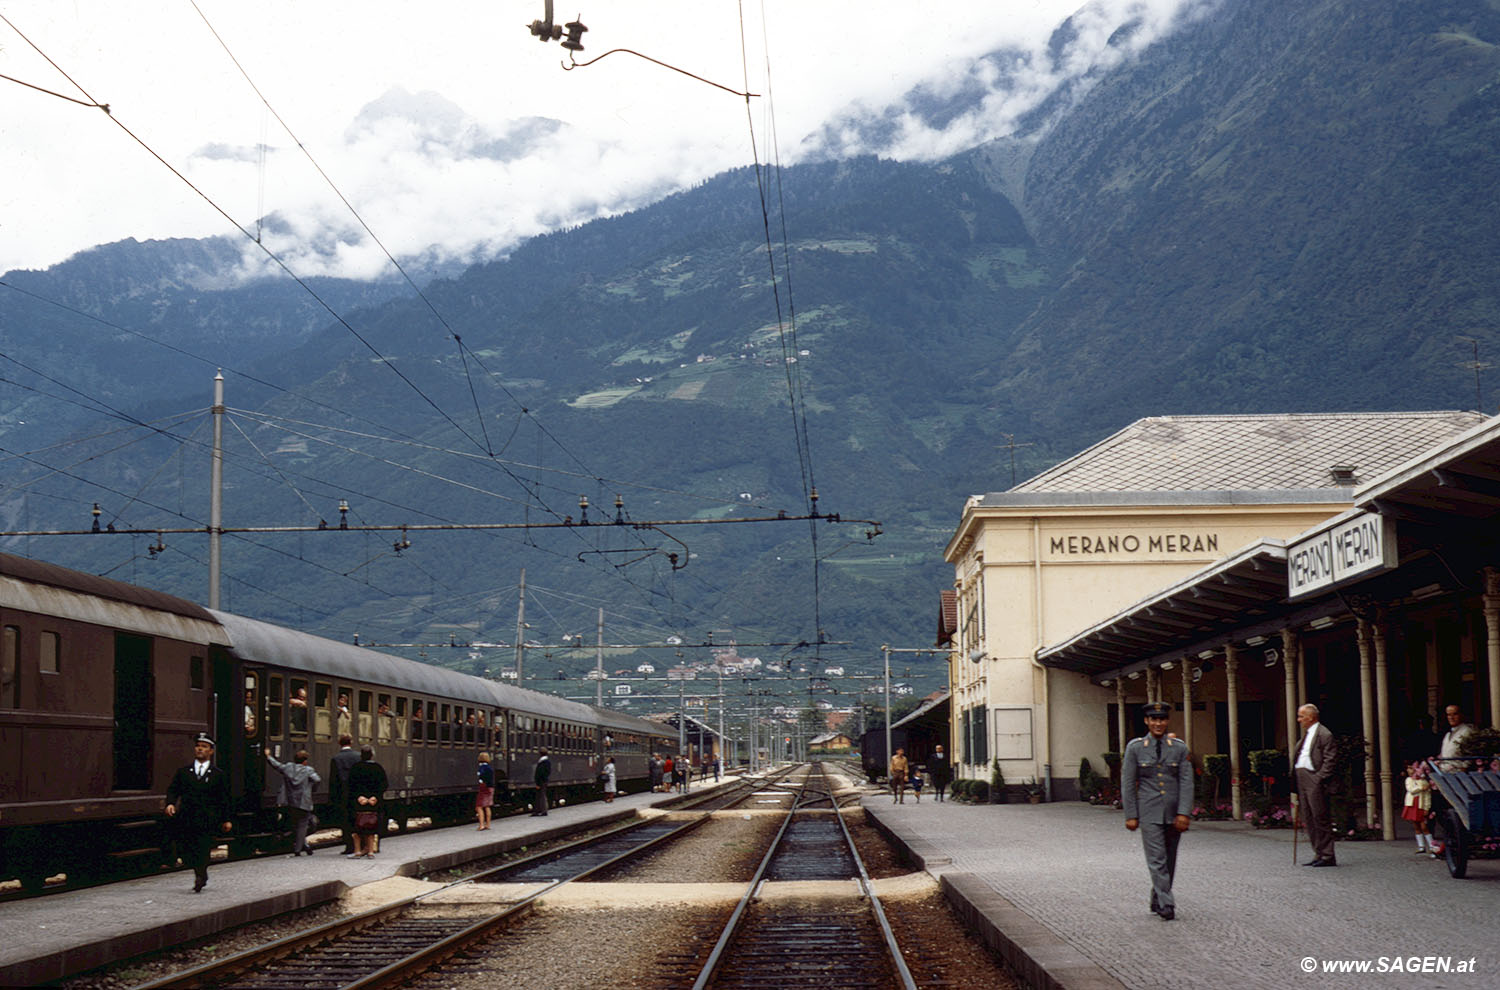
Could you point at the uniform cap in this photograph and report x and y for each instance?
(204, 737)
(1158, 709)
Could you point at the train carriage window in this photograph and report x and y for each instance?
(252, 706)
(10, 668)
(49, 656)
(366, 716)
(469, 726)
(384, 719)
(497, 722)
(417, 724)
(297, 707)
(323, 712)
(445, 727)
(401, 728)
(195, 673)
(343, 714)
(273, 707)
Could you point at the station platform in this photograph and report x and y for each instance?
(57, 936)
(1061, 891)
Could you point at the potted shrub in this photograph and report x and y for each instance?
(997, 782)
(1033, 790)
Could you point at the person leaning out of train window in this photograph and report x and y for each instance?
(367, 786)
(485, 799)
(197, 808)
(296, 796)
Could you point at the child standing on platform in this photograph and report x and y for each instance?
(1419, 804)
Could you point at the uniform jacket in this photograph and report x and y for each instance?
(297, 780)
(202, 804)
(937, 768)
(543, 771)
(1153, 790)
(1322, 753)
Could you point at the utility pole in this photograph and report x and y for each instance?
(216, 493)
(599, 664)
(521, 632)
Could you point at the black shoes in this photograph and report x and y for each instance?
(1167, 914)
(1325, 862)
(198, 885)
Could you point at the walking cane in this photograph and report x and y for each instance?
(1296, 829)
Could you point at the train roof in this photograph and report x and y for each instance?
(611, 719)
(67, 579)
(263, 642)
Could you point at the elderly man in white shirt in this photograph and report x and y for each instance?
(1458, 731)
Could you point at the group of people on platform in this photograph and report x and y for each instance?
(1156, 790)
(673, 774)
(903, 776)
(198, 799)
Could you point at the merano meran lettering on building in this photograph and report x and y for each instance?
(1078, 544)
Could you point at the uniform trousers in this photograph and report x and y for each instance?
(1160, 844)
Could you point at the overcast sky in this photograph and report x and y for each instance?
(448, 127)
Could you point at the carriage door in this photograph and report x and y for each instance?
(133, 712)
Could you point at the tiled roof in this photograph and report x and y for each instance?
(947, 615)
(1248, 453)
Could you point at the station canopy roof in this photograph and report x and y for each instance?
(1436, 497)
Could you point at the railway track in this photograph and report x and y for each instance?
(392, 944)
(808, 944)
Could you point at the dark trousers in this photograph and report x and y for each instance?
(541, 800)
(196, 848)
(939, 785)
(1313, 793)
(299, 820)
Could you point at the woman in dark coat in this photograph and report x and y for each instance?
(367, 784)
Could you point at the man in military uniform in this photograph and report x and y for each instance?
(1156, 788)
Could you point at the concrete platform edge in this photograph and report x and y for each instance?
(72, 960)
(1039, 957)
(68, 961)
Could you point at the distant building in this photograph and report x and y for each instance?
(830, 742)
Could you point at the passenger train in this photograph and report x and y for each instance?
(104, 685)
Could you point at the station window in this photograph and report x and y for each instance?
(323, 711)
(10, 668)
(384, 719)
(273, 706)
(49, 655)
(297, 706)
(195, 673)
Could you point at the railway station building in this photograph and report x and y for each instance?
(1058, 620)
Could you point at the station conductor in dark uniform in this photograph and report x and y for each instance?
(198, 807)
(1156, 788)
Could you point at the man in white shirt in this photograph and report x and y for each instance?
(1313, 768)
(1458, 731)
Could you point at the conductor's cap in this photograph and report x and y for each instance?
(204, 737)
(1158, 709)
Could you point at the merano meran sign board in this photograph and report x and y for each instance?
(1355, 547)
